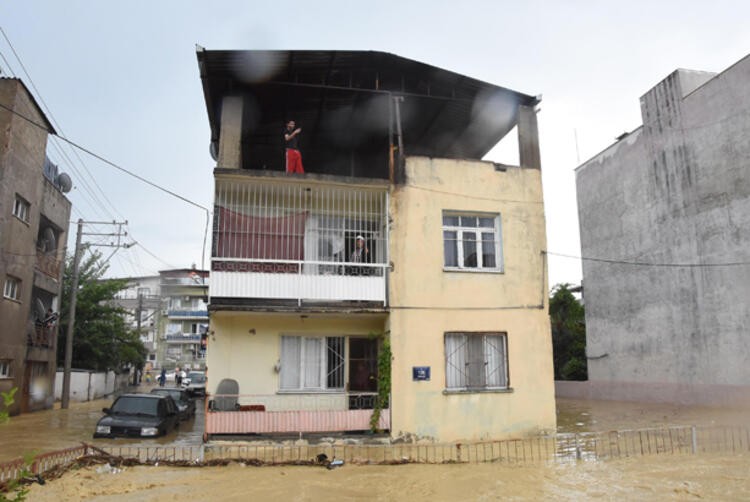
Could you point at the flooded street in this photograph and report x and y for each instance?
(647, 478)
(651, 477)
(57, 429)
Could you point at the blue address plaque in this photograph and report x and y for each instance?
(420, 373)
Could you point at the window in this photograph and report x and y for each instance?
(4, 368)
(174, 328)
(12, 288)
(21, 208)
(476, 361)
(312, 363)
(472, 242)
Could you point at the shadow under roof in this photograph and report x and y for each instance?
(341, 99)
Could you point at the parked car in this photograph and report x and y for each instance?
(138, 415)
(185, 405)
(195, 383)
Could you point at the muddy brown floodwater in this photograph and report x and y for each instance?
(657, 477)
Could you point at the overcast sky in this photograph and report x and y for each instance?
(121, 78)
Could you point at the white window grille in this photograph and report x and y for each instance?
(312, 363)
(476, 361)
(21, 208)
(278, 228)
(12, 288)
(4, 368)
(472, 242)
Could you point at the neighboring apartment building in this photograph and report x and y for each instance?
(34, 216)
(174, 316)
(184, 322)
(142, 297)
(668, 206)
(396, 230)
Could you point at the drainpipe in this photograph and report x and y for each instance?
(399, 132)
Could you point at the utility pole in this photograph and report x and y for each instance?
(71, 319)
(65, 398)
(138, 311)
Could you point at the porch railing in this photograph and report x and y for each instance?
(282, 413)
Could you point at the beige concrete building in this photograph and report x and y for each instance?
(34, 216)
(397, 235)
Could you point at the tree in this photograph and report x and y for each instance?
(568, 334)
(102, 340)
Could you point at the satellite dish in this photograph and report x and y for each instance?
(64, 182)
(49, 241)
(40, 309)
(214, 149)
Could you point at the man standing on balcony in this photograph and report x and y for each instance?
(293, 156)
(359, 255)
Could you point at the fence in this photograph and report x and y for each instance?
(560, 448)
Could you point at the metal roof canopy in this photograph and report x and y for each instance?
(342, 101)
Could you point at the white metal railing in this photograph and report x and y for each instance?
(300, 242)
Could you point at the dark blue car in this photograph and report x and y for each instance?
(138, 415)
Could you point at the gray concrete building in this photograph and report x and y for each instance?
(669, 204)
(34, 216)
(141, 297)
(184, 323)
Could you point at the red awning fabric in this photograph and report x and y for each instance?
(269, 238)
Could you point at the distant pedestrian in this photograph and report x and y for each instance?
(163, 377)
(293, 155)
(177, 376)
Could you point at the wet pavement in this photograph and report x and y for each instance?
(57, 429)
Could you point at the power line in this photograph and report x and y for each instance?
(57, 124)
(650, 264)
(126, 171)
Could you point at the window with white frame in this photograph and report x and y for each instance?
(4, 368)
(12, 288)
(472, 242)
(312, 363)
(174, 328)
(197, 328)
(476, 361)
(21, 208)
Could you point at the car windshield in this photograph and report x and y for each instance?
(132, 405)
(197, 378)
(176, 394)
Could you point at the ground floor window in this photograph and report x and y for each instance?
(476, 361)
(312, 363)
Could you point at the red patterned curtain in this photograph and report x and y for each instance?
(270, 238)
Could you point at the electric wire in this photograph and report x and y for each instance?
(650, 264)
(56, 123)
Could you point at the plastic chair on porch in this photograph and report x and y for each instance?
(226, 396)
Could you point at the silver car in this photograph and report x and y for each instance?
(195, 383)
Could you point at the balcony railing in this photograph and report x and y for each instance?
(48, 264)
(268, 414)
(183, 338)
(42, 336)
(294, 241)
(188, 313)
